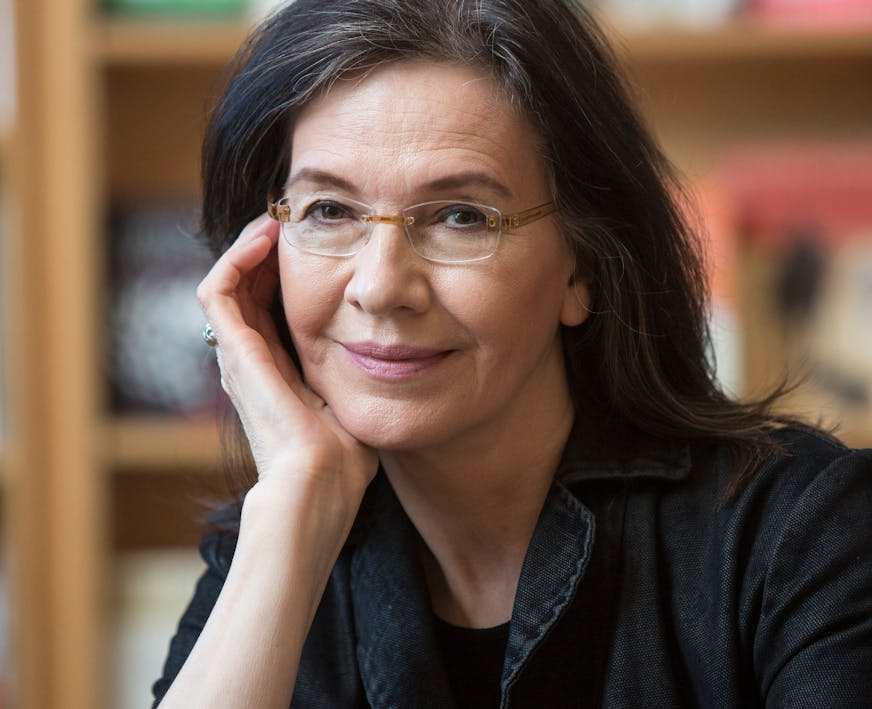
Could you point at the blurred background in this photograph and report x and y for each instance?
(108, 446)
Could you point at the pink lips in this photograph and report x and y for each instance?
(393, 362)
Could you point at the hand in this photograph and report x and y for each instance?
(295, 439)
(311, 478)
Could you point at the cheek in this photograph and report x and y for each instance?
(512, 305)
(311, 294)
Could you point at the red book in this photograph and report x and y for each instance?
(812, 11)
(774, 192)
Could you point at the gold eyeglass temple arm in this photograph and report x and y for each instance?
(279, 212)
(528, 216)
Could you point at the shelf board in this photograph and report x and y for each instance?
(118, 41)
(137, 443)
(123, 41)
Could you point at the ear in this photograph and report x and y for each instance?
(576, 303)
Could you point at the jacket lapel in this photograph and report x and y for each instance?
(397, 654)
(553, 569)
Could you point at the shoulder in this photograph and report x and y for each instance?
(811, 482)
(816, 484)
(807, 450)
(800, 534)
(809, 466)
(800, 524)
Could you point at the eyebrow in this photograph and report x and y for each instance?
(468, 179)
(322, 178)
(448, 183)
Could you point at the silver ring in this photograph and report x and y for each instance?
(209, 336)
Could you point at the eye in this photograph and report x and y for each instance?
(461, 216)
(328, 211)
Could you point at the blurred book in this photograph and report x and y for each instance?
(259, 9)
(157, 358)
(645, 14)
(777, 190)
(177, 8)
(803, 217)
(812, 12)
(151, 590)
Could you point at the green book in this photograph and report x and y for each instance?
(174, 8)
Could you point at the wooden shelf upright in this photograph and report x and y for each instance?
(56, 508)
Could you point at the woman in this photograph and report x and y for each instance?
(466, 344)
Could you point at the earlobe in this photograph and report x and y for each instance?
(576, 303)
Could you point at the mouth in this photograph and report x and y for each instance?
(394, 362)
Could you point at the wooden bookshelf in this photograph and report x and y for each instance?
(112, 110)
(125, 41)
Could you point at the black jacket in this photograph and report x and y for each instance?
(643, 586)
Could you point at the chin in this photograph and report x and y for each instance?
(389, 427)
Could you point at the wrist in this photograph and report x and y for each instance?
(284, 519)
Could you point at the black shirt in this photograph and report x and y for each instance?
(473, 659)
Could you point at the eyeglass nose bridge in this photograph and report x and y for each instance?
(401, 220)
(397, 219)
(493, 222)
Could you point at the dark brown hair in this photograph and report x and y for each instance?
(641, 361)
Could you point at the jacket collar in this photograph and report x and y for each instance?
(553, 569)
(593, 453)
(397, 652)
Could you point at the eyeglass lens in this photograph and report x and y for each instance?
(445, 231)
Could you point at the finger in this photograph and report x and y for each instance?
(288, 370)
(252, 231)
(221, 293)
(238, 262)
(257, 225)
(291, 375)
(226, 298)
(271, 406)
(226, 303)
(266, 326)
(266, 280)
(258, 286)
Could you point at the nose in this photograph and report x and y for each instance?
(388, 275)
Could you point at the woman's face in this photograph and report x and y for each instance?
(411, 354)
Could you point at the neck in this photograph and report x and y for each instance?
(475, 504)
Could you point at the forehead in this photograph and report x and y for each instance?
(408, 123)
